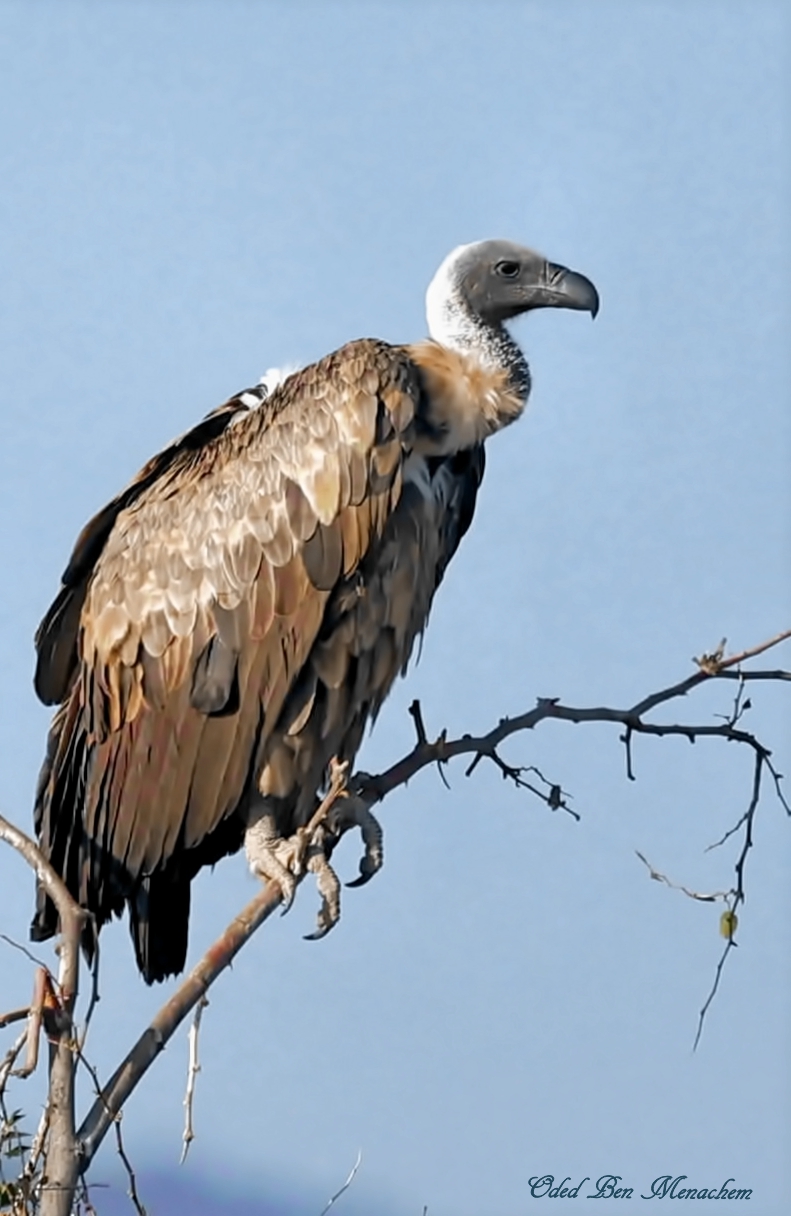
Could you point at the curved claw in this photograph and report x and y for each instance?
(372, 859)
(287, 897)
(318, 933)
(368, 867)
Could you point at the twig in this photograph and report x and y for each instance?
(717, 976)
(94, 997)
(10, 1058)
(713, 664)
(119, 1144)
(192, 1074)
(22, 949)
(708, 897)
(626, 739)
(71, 914)
(736, 896)
(416, 714)
(13, 1015)
(338, 785)
(346, 1184)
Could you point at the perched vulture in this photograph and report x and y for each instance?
(228, 625)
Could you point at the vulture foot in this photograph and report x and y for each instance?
(349, 811)
(272, 857)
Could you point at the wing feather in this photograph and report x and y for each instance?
(202, 590)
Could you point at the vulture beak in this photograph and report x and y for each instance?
(557, 287)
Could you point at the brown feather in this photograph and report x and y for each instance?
(233, 632)
(323, 556)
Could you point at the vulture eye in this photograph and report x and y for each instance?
(508, 270)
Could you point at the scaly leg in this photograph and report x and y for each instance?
(272, 856)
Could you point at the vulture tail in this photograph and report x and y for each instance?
(158, 921)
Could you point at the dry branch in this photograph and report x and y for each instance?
(68, 1154)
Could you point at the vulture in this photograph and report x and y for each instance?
(230, 623)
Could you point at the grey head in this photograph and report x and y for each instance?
(480, 286)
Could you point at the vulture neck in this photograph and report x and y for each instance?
(453, 324)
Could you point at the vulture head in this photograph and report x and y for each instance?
(478, 287)
(494, 281)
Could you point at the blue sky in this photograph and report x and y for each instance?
(195, 192)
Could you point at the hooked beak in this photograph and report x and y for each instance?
(558, 287)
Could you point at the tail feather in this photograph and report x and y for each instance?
(159, 921)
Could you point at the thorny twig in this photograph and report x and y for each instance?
(416, 714)
(346, 1184)
(192, 1075)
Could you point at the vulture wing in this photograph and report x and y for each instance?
(188, 613)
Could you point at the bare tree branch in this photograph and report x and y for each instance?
(376, 788)
(67, 1155)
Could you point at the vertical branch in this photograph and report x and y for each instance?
(62, 1159)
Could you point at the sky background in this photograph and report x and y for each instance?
(194, 192)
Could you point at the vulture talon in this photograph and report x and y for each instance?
(317, 934)
(368, 867)
(330, 890)
(360, 881)
(358, 814)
